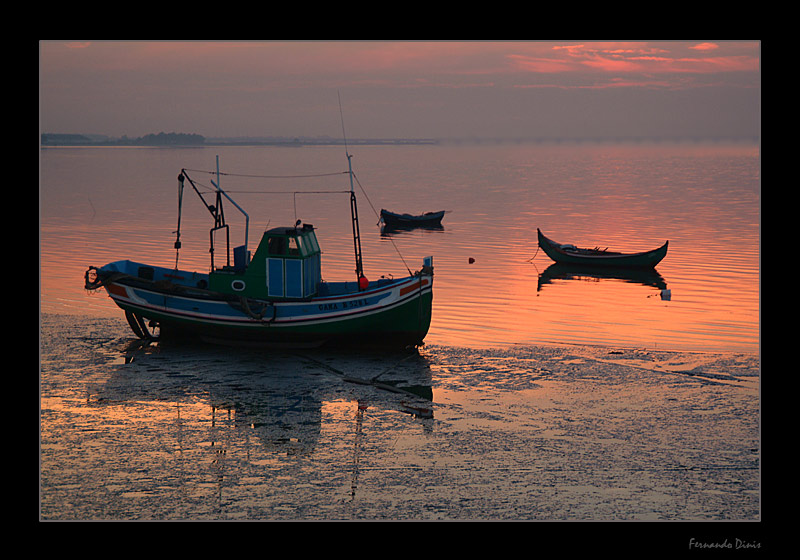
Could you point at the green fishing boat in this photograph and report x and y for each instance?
(276, 298)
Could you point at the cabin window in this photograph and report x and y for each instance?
(312, 243)
(294, 248)
(277, 246)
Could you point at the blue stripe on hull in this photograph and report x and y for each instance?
(320, 318)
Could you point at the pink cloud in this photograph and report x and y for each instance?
(615, 58)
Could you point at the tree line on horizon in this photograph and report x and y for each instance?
(160, 139)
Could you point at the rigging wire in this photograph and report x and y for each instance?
(330, 174)
(294, 193)
(245, 191)
(399, 254)
(284, 192)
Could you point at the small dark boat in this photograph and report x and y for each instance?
(428, 219)
(569, 254)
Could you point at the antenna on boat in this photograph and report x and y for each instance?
(353, 206)
(246, 217)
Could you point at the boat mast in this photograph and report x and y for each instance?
(354, 216)
(353, 204)
(180, 210)
(246, 217)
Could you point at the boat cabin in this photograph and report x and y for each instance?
(286, 265)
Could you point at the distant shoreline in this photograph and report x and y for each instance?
(300, 142)
(195, 140)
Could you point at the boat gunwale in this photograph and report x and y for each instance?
(209, 295)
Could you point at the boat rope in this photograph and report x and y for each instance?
(257, 315)
(373, 381)
(212, 190)
(399, 254)
(93, 281)
(390, 368)
(284, 192)
(294, 194)
(330, 174)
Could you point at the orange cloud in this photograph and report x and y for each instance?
(705, 47)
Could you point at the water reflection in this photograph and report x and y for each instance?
(584, 273)
(277, 398)
(387, 230)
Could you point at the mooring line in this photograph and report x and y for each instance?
(372, 381)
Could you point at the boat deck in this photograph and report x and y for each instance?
(199, 281)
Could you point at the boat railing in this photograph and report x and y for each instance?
(217, 212)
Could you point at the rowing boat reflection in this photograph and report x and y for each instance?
(646, 277)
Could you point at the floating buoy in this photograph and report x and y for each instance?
(471, 260)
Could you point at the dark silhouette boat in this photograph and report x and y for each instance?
(428, 219)
(570, 254)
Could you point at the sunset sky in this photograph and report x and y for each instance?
(402, 89)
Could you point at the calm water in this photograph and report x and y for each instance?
(534, 398)
(99, 204)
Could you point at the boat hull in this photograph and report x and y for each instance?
(429, 219)
(396, 313)
(588, 257)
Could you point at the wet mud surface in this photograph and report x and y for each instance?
(131, 431)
